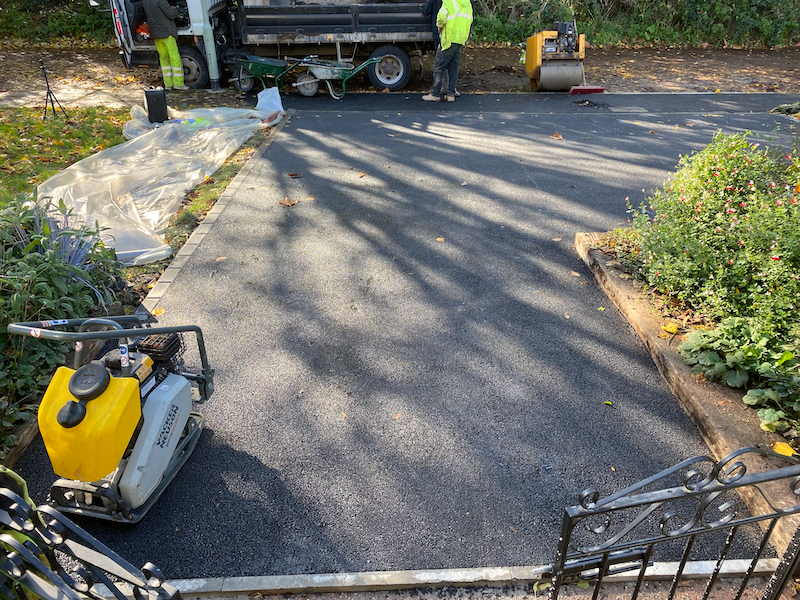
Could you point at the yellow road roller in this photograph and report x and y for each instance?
(554, 59)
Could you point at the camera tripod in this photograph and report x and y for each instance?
(51, 97)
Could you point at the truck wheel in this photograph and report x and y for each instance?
(195, 69)
(307, 84)
(393, 71)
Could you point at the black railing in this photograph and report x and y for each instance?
(43, 554)
(625, 531)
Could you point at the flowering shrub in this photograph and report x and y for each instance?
(723, 237)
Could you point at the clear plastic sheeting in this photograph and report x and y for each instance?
(134, 188)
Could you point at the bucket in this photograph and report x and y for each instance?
(156, 103)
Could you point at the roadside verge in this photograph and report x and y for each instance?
(723, 420)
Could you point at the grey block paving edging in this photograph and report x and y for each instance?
(150, 303)
(377, 581)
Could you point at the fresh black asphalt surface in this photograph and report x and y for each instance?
(414, 369)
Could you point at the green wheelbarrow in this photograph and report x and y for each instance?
(264, 69)
(307, 83)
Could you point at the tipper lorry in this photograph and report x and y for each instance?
(215, 34)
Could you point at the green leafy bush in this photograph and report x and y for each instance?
(49, 20)
(677, 22)
(50, 268)
(723, 237)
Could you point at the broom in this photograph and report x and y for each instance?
(584, 88)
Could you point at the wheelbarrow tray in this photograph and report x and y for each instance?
(269, 67)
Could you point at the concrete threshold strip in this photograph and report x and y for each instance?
(378, 581)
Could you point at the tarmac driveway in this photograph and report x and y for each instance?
(414, 367)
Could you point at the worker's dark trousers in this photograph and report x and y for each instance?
(446, 60)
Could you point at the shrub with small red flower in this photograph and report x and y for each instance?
(739, 267)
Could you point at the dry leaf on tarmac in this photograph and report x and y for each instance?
(295, 175)
(287, 202)
(575, 274)
(221, 258)
(566, 315)
(557, 136)
(361, 174)
(556, 239)
(439, 239)
(397, 416)
(159, 311)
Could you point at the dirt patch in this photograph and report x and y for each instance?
(483, 69)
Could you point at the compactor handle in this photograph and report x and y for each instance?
(42, 329)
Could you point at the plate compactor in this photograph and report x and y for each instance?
(119, 428)
(554, 59)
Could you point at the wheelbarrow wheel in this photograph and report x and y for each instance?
(243, 81)
(307, 84)
(393, 70)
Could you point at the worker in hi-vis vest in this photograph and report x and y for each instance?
(161, 23)
(454, 21)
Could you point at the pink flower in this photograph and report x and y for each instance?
(778, 202)
(775, 257)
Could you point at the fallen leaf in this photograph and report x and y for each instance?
(797, 189)
(512, 528)
(575, 274)
(614, 469)
(342, 416)
(295, 175)
(601, 308)
(608, 402)
(556, 239)
(557, 136)
(397, 416)
(670, 327)
(651, 131)
(439, 239)
(584, 585)
(309, 198)
(287, 202)
(361, 174)
(221, 258)
(392, 134)
(159, 311)
(463, 183)
(783, 449)
(566, 315)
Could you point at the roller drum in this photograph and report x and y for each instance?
(557, 76)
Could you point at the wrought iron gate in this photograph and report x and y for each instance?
(624, 531)
(31, 540)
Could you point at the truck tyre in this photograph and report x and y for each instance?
(393, 71)
(195, 69)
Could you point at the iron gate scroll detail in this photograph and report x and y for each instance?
(43, 554)
(603, 536)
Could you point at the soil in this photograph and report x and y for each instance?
(483, 69)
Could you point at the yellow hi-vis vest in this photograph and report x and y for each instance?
(455, 20)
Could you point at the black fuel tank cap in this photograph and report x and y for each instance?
(89, 382)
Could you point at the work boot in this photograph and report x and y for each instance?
(181, 87)
(430, 98)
